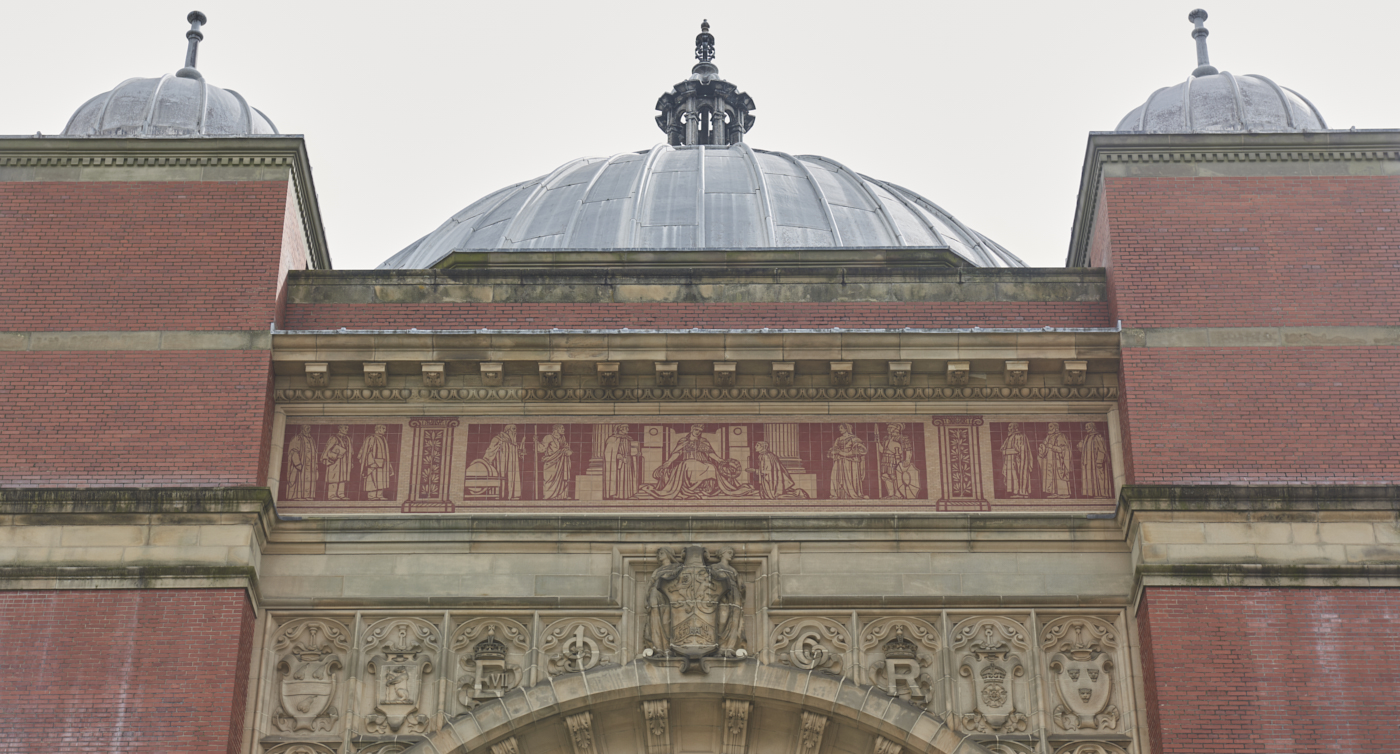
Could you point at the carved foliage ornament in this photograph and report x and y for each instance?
(580, 732)
(993, 693)
(300, 748)
(403, 651)
(1082, 652)
(657, 714)
(736, 726)
(809, 738)
(508, 746)
(695, 607)
(310, 657)
(578, 644)
(904, 649)
(811, 644)
(490, 652)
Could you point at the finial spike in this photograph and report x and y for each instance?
(195, 36)
(1203, 66)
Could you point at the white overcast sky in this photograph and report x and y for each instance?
(412, 110)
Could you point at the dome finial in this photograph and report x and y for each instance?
(1203, 66)
(705, 44)
(195, 36)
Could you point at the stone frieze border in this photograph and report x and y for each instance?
(633, 394)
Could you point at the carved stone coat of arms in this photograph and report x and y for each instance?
(695, 606)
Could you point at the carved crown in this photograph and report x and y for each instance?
(490, 648)
(993, 674)
(900, 648)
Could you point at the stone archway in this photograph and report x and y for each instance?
(741, 708)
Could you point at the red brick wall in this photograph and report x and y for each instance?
(124, 670)
(134, 418)
(667, 315)
(1253, 252)
(1263, 415)
(1271, 670)
(146, 255)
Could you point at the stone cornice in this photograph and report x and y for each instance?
(697, 394)
(164, 501)
(1207, 155)
(56, 158)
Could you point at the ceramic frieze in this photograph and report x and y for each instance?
(400, 653)
(491, 653)
(901, 654)
(576, 644)
(310, 668)
(811, 644)
(1081, 653)
(993, 690)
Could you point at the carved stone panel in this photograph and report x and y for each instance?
(695, 607)
(656, 719)
(993, 687)
(1082, 656)
(300, 748)
(809, 736)
(576, 644)
(310, 668)
(736, 726)
(901, 653)
(400, 652)
(1090, 747)
(491, 655)
(508, 746)
(580, 728)
(811, 644)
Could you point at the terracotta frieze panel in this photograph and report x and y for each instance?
(464, 464)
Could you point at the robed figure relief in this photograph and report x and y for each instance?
(771, 477)
(336, 459)
(695, 605)
(898, 477)
(1093, 463)
(693, 470)
(375, 471)
(1016, 461)
(554, 453)
(302, 466)
(503, 457)
(619, 465)
(848, 465)
(1054, 455)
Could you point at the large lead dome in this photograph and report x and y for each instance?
(704, 188)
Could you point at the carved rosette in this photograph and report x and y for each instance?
(811, 644)
(491, 653)
(577, 644)
(993, 692)
(1082, 656)
(310, 660)
(400, 653)
(903, 650)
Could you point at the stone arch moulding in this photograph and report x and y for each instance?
(650, 707)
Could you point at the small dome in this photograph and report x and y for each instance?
(183, 104)
(701, 197)
(1224, 102)
(168, 106)
(1214, 101)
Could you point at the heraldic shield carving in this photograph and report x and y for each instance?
(695, 608)
(309, 662)
(404, 648)
(1082, 670)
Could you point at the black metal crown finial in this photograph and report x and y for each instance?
(1203, 66)
(195, 36)
(705, 43)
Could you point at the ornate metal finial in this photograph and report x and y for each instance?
(705, 43)
(1203, 66)
(195, 36)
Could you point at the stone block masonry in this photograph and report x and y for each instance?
(124, 670)
(785, 315)
(1296, 670)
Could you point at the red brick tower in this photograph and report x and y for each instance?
(1253, 259)
(148, 247)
